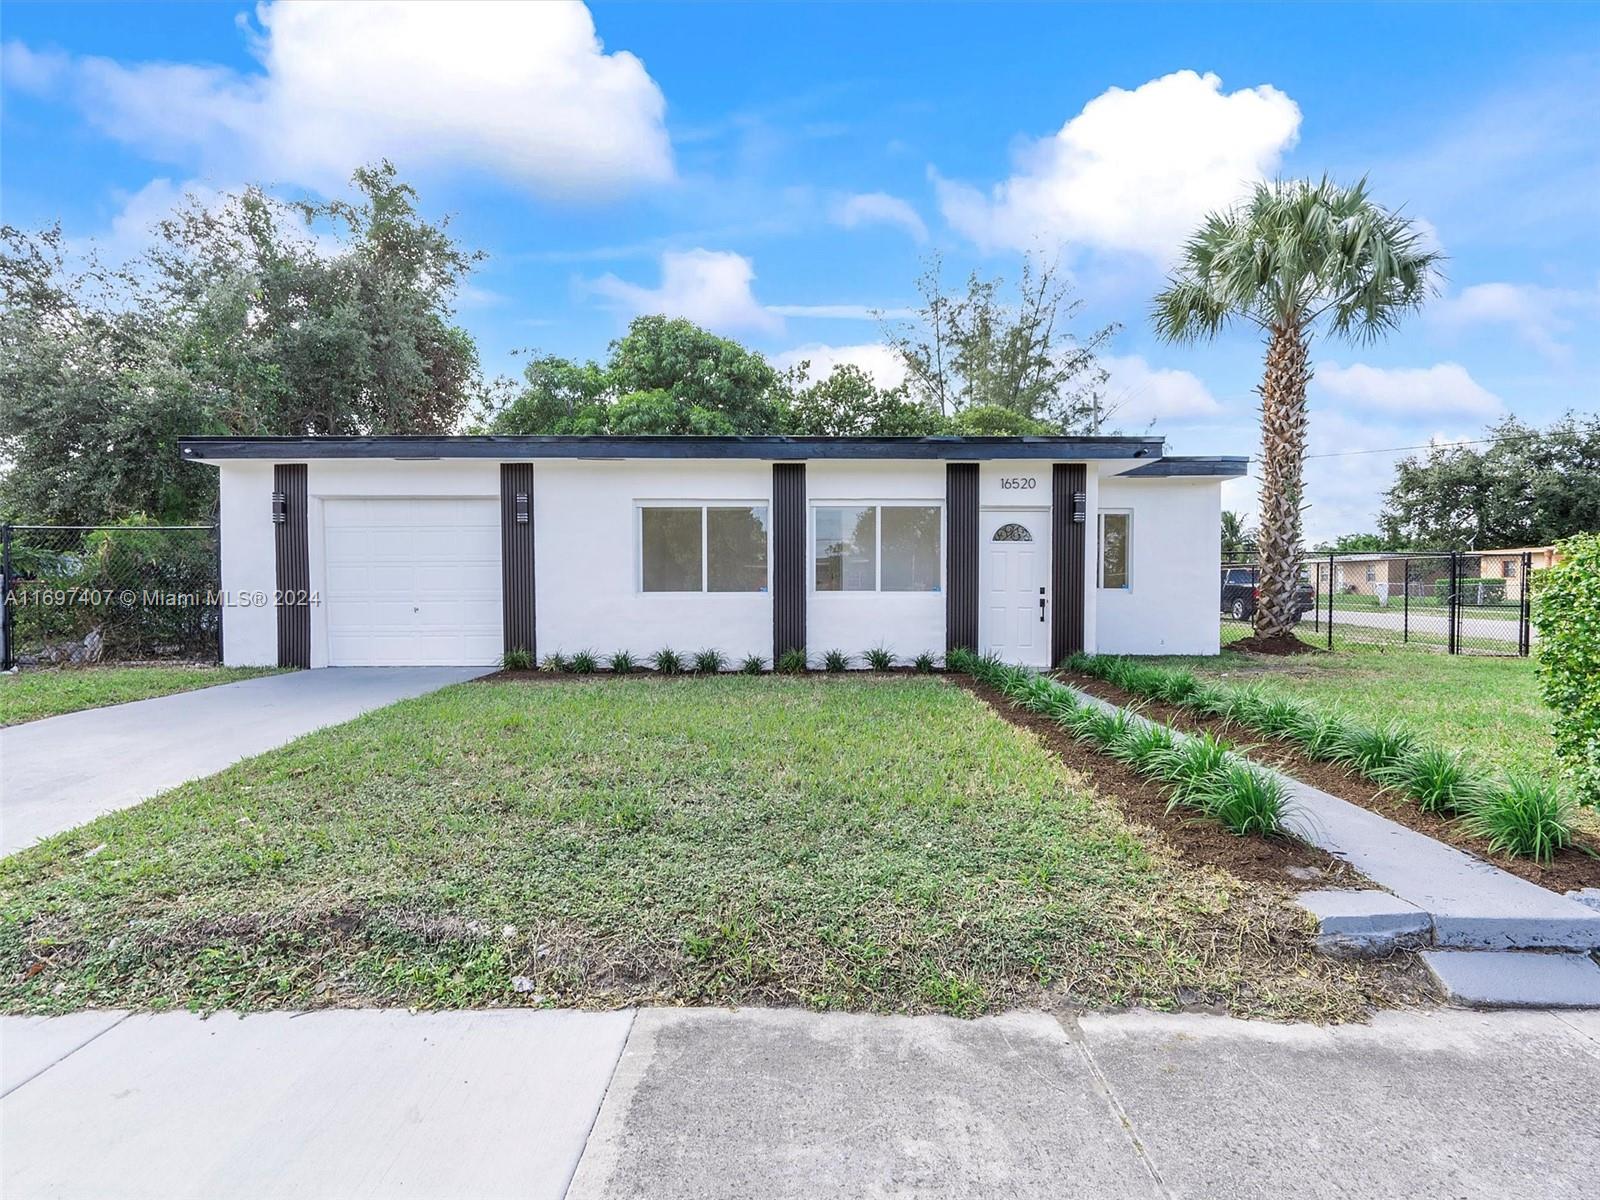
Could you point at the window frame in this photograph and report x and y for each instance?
(705, 545)
(877, 506)
(1100, 549)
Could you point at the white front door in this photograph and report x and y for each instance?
(1013, 575)
(412, 582)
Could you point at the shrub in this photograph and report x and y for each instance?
(1524, 816)
(879, 658)
(622, 663)
(709, 662)
(791, 662)
(1370, 749)
(667, 662)
(923, 663)
(1566, 613)
(753, 665)
(517, 660)
(835, 660)
(1189, 763)
(554, 662)
(1316, 733)
(1440, 781)
(1243, 798)
(1143, 746)
(583, 663)
(1177, 686)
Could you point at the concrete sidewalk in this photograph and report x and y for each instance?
(62, 771)
(776, 1103)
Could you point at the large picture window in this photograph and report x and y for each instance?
(876, 547)
(1116, 538)
(703, 548)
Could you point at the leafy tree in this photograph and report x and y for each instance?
(1357, 543)
(849, 404)
(991, 420)
(1294, 258)
(1011, 351)
(557, 397)
(238, 320)
(690, 381)
(1526, 487)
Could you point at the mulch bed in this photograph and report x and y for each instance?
(1283, 861)
(1570, 868)
(1277, 645)
(540, 675)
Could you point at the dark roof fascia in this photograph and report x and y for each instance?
(1188, 468)
(281, 449)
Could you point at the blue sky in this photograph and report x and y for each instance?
(778, 171)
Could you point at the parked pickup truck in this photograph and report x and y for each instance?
(1239, 592)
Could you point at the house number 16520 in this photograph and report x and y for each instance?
(1014, 483)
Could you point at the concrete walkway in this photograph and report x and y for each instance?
(63, 771)
(781, 1103)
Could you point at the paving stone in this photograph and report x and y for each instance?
(1365, 923)
(1512, 979)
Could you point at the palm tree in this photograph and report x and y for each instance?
(1236, 537)
(1291, 258)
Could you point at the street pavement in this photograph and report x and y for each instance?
(707, 1103)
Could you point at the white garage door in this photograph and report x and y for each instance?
(412, 582)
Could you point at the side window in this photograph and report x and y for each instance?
(1116, 536)
(670, 549)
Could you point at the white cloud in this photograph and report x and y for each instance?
(523, 91)
(1401, 393)
(710, 287)
(885, 366)
(1538, 316)
(1140, 393)
(1135, 170)
(879, 208)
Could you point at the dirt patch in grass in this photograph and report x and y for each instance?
(1576, 867)
(1287, 644)
(1283, 861)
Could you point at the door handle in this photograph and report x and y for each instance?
(1041, 604)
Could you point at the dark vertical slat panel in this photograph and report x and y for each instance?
(961, 546)
(517, 571)
(788, 558)
(293, 549)
(1068, 482)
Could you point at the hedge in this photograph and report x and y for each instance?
(1566, 614)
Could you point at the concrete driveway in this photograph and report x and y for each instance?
(63, 771)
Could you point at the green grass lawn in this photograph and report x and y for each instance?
(1488, 705)
(30, 695)
(887, 845)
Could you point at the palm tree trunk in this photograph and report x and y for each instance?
(1283, 454)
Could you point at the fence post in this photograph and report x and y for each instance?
(1405, 601)
(1524, 616)
(221, 599)
(7, 658)
(1453, 606)
(1330, 599)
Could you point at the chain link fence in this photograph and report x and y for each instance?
(1439, 600)
(78, 594)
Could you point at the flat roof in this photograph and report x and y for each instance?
(769, 447)
(1189, 467)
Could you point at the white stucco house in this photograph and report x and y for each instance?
(374, 551)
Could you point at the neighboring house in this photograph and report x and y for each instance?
(1508, 565)
(1385, 575)
(421, 550)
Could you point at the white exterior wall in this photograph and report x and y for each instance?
(586, 549)
(249, 565)
(588, 594)
(1171, 604)
(908, 623)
